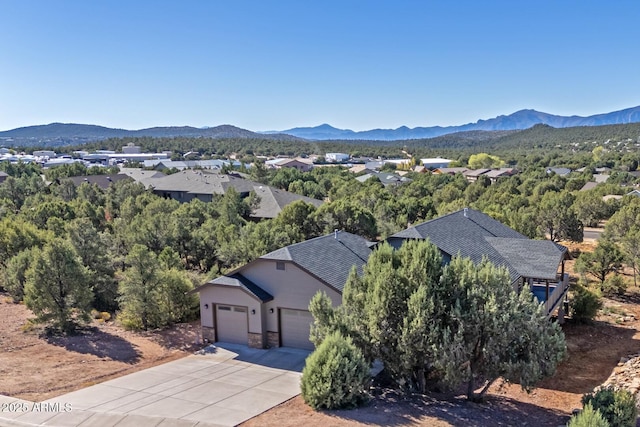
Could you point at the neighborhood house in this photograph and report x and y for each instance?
(265, 303)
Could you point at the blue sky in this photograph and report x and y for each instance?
(266, 65)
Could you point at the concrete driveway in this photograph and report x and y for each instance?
(224, 385)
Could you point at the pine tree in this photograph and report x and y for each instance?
(140, 290)
(56, 287)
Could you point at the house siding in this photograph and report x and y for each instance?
(291, 288)
(233, 296)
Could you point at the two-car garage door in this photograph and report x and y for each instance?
(232, 324)
(294, 328)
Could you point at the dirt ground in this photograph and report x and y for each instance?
(37, 368)
(594, 352)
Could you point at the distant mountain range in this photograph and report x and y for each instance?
(523, 119)
(56, 134)
(70, 133)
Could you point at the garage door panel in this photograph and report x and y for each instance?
(294, 328)
(232, 324)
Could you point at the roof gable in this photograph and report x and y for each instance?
(273, 200)
(530, 258)
(330, 258)
(239, 281)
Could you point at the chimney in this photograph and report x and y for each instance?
(466, 210)
(335, 234)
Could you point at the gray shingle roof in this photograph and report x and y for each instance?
(200, 182)
(451, 171)
(386, 178)
(273, 200)
(327, 258)
(559, 171)
(102, 181)
(239, 281)
(145, 177)
(497, 173)
(476, 172)
(589, 186)
(530, 258)
(476, 235)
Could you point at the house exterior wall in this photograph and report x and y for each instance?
(233, 296)
(291, 288)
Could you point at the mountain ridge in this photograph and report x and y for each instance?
(519, 120)
(72, 133)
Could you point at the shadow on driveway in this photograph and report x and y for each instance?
(290, 359)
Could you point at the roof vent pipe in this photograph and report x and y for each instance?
(335, 234)
(466, 210)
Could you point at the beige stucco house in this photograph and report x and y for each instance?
(266, 302)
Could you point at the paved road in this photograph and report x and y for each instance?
(224, 386)
(592, 233)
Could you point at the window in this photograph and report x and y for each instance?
(279, 265)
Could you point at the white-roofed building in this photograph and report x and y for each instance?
(435, 163)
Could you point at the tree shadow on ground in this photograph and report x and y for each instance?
(290, 359)
(182, 336)
(392, 409)
(594, 350)
(99, 343)
(628, 297)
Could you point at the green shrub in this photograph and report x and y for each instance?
(585, 304)
(588, 417)
(131, 323)
(618, 407)
(614, 285)
(336, 375)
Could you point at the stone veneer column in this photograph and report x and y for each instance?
(273, 339)
(255, 340)
(208, 334)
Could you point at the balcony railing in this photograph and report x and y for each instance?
(557, 292)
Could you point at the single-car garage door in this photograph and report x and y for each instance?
(294, 328)
(232, 324)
